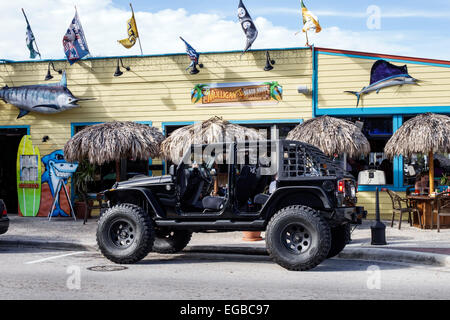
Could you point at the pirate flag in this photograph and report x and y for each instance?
(247, 25)
(193, 55)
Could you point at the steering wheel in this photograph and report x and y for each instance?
(205, 175)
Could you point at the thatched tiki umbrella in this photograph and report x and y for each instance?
(113, 141)
(427, 133)
(213, 130)
(332, 136)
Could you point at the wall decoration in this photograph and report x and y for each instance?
(384, 74)
(28, 177)
(57, 172)
(42, 98)
(240, 93)
(247, 25)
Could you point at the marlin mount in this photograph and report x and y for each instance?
(42, 98)
(382, 75)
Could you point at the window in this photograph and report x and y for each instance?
(375, 168)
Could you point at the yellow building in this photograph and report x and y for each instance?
(157, 91)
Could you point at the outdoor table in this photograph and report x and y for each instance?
(425, 205)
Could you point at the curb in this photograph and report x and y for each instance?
(393, 255)
(48, 244)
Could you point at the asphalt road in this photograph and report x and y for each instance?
(35, 273)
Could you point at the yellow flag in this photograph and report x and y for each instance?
(132, 33)
(310, 21)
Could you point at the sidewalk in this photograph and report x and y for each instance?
(410, 245)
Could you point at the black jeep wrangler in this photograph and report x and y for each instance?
(303, 200)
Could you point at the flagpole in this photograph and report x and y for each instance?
(307, 40)
(139, 38)
(35, 42)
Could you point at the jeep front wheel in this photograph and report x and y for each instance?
(125, 234)
(298, 238)
(171, 241)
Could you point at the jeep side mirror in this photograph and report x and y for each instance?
(172, 170)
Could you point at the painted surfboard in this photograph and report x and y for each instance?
(29, 171)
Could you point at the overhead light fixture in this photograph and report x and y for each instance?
(118, 72)
(49, 75)
(269, 62)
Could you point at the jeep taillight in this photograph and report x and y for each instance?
(341, 186)
(4, 212)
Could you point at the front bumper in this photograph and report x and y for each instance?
(351, 214)
(4, 225)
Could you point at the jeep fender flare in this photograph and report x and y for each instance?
(277, 197)
(118, 195)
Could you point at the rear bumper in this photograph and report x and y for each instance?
(4, 225)
(351, 214)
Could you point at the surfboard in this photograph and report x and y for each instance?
(29, 171)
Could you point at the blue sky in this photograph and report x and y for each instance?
(411, 28)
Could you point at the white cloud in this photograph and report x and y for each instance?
(104, 24)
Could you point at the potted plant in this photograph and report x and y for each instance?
(81, 178)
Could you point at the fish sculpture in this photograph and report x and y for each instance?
(42, 98)
(247, 25)
(384, 74)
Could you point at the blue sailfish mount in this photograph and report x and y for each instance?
(384, 74)
(42, 98)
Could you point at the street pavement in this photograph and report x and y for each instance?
(37, 273)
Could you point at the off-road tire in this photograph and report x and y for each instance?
(314, 240)
(140, 234)
(171, 241)
(340, 236)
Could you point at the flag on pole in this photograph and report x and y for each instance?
(74, 41)
(310, 21)
(193, 55)
(132, 33)
(30, 40)
(247, 25)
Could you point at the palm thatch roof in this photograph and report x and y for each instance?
(428, 132)
(213, 130)
(113, 141)
(332, 136)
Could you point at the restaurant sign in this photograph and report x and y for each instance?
(237, 93)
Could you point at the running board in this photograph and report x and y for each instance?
(257, 225)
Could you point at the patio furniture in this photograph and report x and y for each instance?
(441, 208)
(401, 205)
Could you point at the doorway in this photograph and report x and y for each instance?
(9, 142)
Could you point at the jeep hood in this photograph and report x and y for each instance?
(142, 181)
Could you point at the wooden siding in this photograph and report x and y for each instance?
(158, 89)
(367, 200)
(337, 74)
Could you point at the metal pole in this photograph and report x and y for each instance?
(378, 229)
(139, 38)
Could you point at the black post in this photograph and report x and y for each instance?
(378, 229)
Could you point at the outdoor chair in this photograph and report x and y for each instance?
(401, 205)
(441, 208)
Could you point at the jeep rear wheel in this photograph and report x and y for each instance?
(340, 236)
(298, 238)
(171, 241)
(125, 234)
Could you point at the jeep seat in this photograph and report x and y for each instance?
(213, 203)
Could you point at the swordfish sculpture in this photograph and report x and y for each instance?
(42, 98)
(384, 74)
